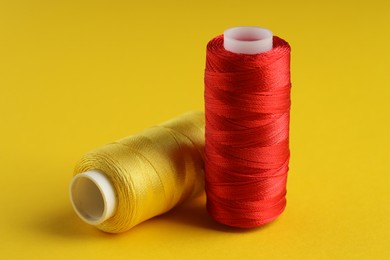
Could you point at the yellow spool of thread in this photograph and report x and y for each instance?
(122, 184)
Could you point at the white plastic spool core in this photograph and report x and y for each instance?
(247, 40)
(93, 197)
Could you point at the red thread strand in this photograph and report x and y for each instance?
(247, 103)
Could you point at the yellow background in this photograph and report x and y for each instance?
(78, 74)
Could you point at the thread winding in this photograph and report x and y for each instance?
(247, 103)
(152, 171)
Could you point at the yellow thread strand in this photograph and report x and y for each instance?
(152, 171)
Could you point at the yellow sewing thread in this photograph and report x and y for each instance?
(152, 171)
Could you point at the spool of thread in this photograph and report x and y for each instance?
(119, 185)
(247, 101)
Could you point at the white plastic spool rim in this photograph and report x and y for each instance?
(248, 40)
(93, 196)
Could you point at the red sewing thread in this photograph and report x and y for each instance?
(247, 103)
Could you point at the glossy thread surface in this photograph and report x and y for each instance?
(247, 103)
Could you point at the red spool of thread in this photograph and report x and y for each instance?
(247, 104)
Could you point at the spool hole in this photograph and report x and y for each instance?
(87, 199)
